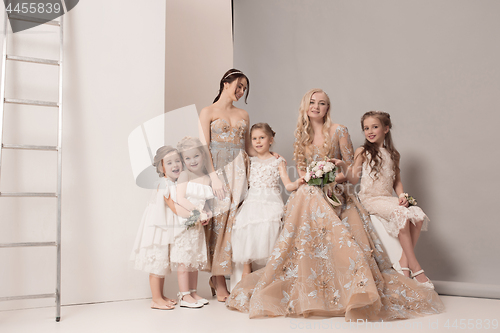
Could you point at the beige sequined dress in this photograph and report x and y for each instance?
(227, 146)
(329, 262)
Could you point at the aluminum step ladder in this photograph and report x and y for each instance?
(57, 243)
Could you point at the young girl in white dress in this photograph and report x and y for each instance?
(377, 161)
(258, 220)
(151, 249)
(189, 251)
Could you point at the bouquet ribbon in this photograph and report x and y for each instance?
(334, 202)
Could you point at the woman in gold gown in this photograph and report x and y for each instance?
(328, 261)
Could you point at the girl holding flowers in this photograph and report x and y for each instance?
(378, 162)
(325, 262)
(188, 251)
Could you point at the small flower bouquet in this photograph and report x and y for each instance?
(320, 173)
(411, 200)
(197, 215)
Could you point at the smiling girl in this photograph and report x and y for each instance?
(258, 220)
(378, 162)
(189, 252)
(151, 249)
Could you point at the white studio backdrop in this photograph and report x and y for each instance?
(433, 65)
(114, 80)
(126, 65)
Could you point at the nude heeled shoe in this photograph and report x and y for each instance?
(213, 287)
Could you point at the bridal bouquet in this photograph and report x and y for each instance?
(196, 216)
(411, 200)
(320, 173)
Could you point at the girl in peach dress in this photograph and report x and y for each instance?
(378, 162)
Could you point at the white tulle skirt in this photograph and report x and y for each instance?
(257, 225)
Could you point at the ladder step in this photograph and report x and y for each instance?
(32, 19)
(34, 60)
(27, 194)
(29, 147)
(30, 102)
(13, 298)
(28, 244)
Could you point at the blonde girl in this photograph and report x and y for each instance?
(258, 220)
(189, 251)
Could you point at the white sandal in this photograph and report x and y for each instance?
(203, 301)
(427, 283)
(400, 269)
(185, 304)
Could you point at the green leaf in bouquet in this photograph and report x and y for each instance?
(331, 176)
(315, 181)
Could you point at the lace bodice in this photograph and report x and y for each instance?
(340, 148)
(222, 131)
(264, 173)
(381, 184)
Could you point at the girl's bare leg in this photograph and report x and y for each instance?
(407, 244)
(183, 280)
(156, 285)
(247, 269)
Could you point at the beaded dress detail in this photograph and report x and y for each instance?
(326, 265)
(227, 146)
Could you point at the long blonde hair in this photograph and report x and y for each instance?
(304, 133)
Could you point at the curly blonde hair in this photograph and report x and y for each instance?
(304, 133)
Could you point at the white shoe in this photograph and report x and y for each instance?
(400, 269)
(203, 301)
(427, 283)
(185, 304)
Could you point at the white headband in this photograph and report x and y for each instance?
(231, 74)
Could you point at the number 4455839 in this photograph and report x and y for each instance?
(471, 324)
(34, 7)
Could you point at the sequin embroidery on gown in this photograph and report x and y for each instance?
(258, 220)
(189, 247)
(151, 247)
(329, 266)
(227, 146)
(376, 196)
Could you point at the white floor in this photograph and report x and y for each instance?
(482, 315)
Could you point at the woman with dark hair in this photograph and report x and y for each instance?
(224, 128)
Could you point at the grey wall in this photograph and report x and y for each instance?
(433, 65)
